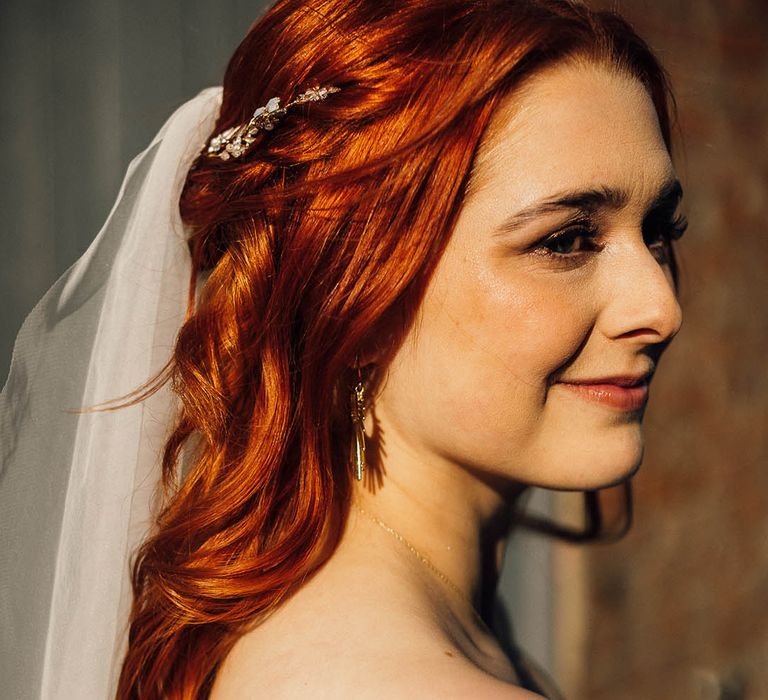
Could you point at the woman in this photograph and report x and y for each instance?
(436, 272)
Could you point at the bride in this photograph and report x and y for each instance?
(432, 266)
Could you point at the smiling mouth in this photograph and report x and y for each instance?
(623, 398)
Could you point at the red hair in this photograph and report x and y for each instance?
(319, 245)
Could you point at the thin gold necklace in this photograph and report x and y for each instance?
(426, 561)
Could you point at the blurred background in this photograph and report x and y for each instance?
(675, 611)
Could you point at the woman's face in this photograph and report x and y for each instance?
(513, 317)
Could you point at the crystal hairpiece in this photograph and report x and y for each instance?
(236, 140)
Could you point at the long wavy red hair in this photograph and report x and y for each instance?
(317, 246)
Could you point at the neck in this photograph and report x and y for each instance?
(439, 518)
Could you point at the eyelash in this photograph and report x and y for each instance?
(667, 232)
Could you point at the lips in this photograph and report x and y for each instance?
(625, 392)
(618, 380)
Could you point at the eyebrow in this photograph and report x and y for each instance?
(590, 201)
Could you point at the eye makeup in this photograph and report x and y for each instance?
(582, 236)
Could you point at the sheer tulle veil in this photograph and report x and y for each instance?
(76, 489)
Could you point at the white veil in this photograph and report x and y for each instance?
(75, 490)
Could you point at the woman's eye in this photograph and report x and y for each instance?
(659, 237)
(570, 242)
(664, 233)
(579, 240)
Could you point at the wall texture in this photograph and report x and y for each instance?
(676, 611)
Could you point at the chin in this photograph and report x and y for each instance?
(609, 468)
(616, 480)
(601, 463)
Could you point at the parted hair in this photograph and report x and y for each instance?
(313, 247)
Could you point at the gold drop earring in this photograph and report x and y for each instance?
(357, 410)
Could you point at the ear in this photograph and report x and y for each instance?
(382, 341)
(364, 360)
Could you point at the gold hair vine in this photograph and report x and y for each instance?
(236, 140)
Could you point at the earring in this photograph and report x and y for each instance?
(357, 410)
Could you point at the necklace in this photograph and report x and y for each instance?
(426, 561)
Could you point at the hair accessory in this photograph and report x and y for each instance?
(233, 142)
(357, 409)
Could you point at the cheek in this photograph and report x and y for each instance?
(528, 322)
(488, 342)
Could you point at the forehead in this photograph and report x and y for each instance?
(572, 126)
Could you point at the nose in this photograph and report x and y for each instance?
(643, 303)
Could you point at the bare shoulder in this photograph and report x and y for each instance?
(474, 683)
(322, 644)
(372, 678)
